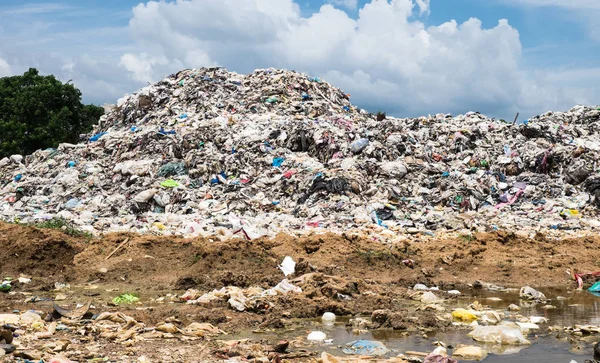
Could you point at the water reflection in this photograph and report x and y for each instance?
(572, 308)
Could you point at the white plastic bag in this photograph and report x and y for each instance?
(499, 335)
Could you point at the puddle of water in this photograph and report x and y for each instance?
(577, 308)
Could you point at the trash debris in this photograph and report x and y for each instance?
(366, 347)
(328, 318)
(126, 299)
(464, 315)
(499, 335)
(316, 336)
(76, 313)
(288, 266)
(5, 286)
(529, 293)
(276, 139)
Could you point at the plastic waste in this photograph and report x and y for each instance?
(499, 335)
(288, 266)
(97, 136)
(72, 203)
(464, 315)
(316, 336)
(366, 347)
(169, 183)
(5, 286)
(428, 298)
(171, 169)
(595, 287)
(126, 298)
(328, 318)
(438, 358)
(529, 293)
(359, 145)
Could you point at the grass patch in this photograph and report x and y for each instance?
(63, 225)
(467, 237)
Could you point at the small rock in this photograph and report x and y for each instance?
(513, 307)
(103, 270)
(469, 352)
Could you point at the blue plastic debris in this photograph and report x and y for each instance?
(97, 136)
(277, 162)
(165, 132)
(183, 116)
(366, 347)
(133, 129)
(595, 287)
(71, 164)
(359, 145)
(18, 177)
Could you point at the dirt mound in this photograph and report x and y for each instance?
(201, 263)
(174, 263)
(38, 252)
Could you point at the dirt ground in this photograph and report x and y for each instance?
(345, 274)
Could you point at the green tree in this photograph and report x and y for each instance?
(38, 112)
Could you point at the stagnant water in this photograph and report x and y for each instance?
(578, 308)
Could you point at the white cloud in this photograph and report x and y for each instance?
(423, 6)
(5, 69)
(348, 4)
(141, 66)
(384, 58)
(383, 55)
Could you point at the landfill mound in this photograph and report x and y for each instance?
(211, 152)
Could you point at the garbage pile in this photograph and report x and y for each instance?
(212, 152)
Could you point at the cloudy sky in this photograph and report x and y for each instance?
(406, 57)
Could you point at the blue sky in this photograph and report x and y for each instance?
(406, 57)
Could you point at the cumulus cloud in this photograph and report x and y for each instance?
(383, 54)
(141, 65)
(5, 69)
(383, 57)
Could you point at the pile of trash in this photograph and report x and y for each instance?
(212, 152)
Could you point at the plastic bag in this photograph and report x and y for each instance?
(529, 293)
(499, 335)
(359, 145)
(126, 299)
(464, 315)
(595, 287)
(366, 347)
(287, 266)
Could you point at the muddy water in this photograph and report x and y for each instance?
(575, 308)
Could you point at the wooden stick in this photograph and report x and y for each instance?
(516, 118)
(116, 249)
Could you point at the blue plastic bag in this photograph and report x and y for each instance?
(595, 287)
(366, 347)
(97, 136)
(278, 161)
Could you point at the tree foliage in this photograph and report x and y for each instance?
(38, 112)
